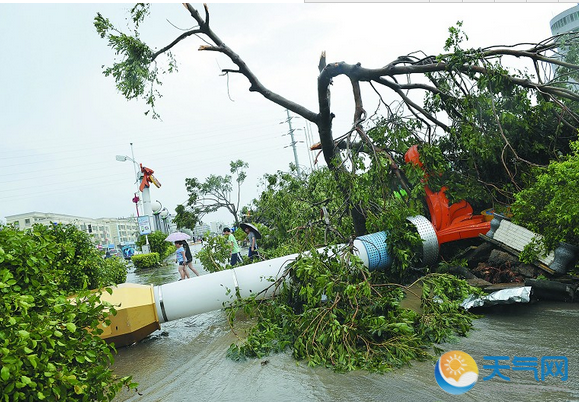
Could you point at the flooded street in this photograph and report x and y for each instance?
(185, 361)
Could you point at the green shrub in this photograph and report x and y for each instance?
(158, 244)
(146, 260)
(82, 263)
(113, 271)
(49, 346)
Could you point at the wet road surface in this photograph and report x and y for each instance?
(185, 361)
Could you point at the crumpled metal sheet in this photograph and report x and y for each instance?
(505, 296)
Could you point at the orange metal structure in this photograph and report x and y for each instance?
(451, 222)
(148, 178)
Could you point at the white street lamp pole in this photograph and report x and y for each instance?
(156, 208)
(124, 158)
(164, 215)
(137, 176)
(147, 208)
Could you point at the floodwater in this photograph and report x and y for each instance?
(185, 361)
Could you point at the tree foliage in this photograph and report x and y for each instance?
(332, 311)
(549, 206)
(292, 209)
(211, 195)
(303, 212)
(214, 256)
(81, 262)
(137, 74)
(49, 344)
(185, 218)
(349, 319)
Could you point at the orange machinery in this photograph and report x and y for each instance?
(451, 222)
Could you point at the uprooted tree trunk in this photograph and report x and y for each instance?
(456, 86)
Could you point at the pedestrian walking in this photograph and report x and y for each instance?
(252, 252)
(188, 257)
(234, 250)
(252, 236)
(180, 259)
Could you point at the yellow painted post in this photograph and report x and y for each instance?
(136, 316)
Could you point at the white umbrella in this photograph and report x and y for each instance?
(177, 236)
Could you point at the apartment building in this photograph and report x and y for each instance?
(104, 231)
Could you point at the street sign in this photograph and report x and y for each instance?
(144, 225)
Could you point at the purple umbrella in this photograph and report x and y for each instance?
(177, 236)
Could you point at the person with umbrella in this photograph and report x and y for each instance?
(183, 254)
(252, 236)
(181, 258)
(189, 257)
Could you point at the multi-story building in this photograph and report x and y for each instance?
(562, 23)
(201, 229)
(104, 231)
(217, 227)
(567, 21)
(123, 230)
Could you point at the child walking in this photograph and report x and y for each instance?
(181, 258)
(189, 257)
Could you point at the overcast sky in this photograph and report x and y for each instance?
(62, 122)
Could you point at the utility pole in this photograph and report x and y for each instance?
(145, 196)
(140, 199)
(293, 143)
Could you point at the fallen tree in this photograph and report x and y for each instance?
(478, 116)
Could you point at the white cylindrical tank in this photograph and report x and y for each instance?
(217, 290)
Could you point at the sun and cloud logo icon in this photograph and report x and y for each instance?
(456, 372)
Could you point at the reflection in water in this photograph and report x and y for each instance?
(186, 361)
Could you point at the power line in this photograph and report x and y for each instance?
(166, 138)
(92, 183)
(81, 168)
